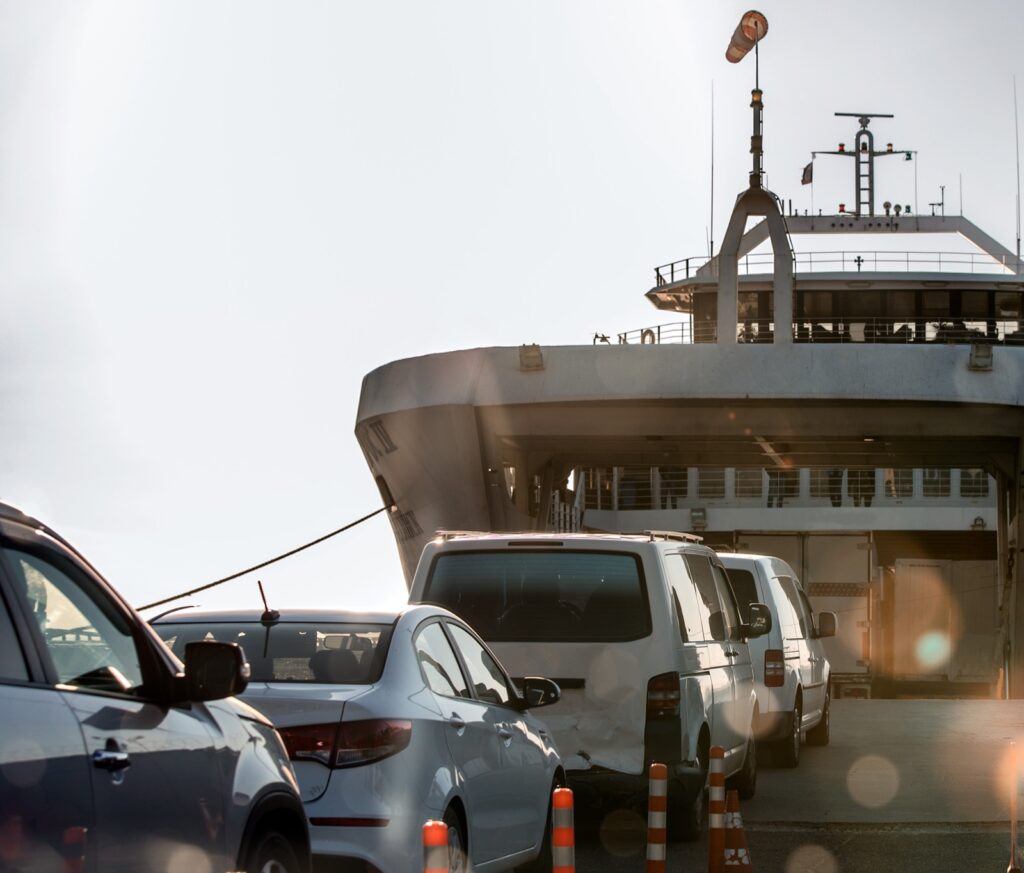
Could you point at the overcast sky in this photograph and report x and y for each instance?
(216, 217)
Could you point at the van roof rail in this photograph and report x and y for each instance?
(451, 534)
(674, 535)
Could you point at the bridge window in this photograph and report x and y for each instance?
(973, 483)
(936, 482)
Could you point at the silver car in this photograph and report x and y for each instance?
(115, 757)
(392, 719)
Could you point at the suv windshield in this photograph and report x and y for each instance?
(565, 596)
(326, 652)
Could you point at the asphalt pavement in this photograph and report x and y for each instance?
(914, 786)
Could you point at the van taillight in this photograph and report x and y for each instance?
(774, 668)
(348, 744)
(663, 696)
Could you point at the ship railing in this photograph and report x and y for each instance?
(853, 261)
(853, 329)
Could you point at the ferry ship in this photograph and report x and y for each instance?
(857, 412)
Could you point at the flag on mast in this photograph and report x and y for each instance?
(808, 175)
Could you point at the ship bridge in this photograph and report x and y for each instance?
(859, 413)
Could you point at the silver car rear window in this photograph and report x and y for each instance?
(542, 595)
(325, 652)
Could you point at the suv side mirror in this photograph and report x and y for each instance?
(214, 670)
(539, 692)
(760, 621)
(826, 624)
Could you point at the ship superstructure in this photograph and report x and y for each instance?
(859, 413)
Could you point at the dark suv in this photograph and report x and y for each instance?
(113, 755)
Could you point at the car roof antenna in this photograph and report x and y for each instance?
(270, 616)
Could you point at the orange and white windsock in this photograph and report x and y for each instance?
(435, 847)
(716, 810)
(657, 812)
(563, 835)
(736, 854)
(752, 27)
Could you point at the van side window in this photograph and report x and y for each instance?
(688, 608)
(713, 618)
(745, 589)
(728, 600)
(808, 612)
(794, 625)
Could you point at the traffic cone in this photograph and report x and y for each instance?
(736, 854)
(435, 847)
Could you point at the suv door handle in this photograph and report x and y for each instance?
(729, 653)
(106, 759)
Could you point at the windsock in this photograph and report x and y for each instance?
(752, 27)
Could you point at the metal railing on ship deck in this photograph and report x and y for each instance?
(841, 262)
(853, 330)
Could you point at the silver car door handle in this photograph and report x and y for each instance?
(729, 653)
(108, 760)
(456, 722)
(504, 732)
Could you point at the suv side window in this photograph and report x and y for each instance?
(684, 597)
(438, 663)
(12, 659)
(485, 674)
(89, 640)
(713, 617)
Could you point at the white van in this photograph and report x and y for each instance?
(790, 667)
(641, 632)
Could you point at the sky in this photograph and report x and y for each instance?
(217, 217)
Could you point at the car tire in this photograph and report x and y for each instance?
(745, 782)
(458, 845)
(787, 751)
(272, 852)
(819, 734)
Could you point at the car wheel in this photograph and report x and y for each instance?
(788, 750)
(458, 845)
(272, 853)
(745, 782)
(688, 824)
(819, 734)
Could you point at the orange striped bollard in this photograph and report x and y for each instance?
(657, 809)
(435, 847)
(563, 835)
(716, 810)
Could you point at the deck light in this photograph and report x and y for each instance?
(842, 207)
(842, 146)
(888, 147)
(897, 209)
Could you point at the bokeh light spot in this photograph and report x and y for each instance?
(933, 649)
(872, 781)
(623, 833)
(811, 859)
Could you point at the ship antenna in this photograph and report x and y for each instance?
(1016, 125)
(711, 241)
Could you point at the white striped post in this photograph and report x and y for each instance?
(716, 810)
(563, 835)
(657, 812)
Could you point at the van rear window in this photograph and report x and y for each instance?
(543, 596)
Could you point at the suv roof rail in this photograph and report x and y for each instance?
(674, 535)
(451, 534)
